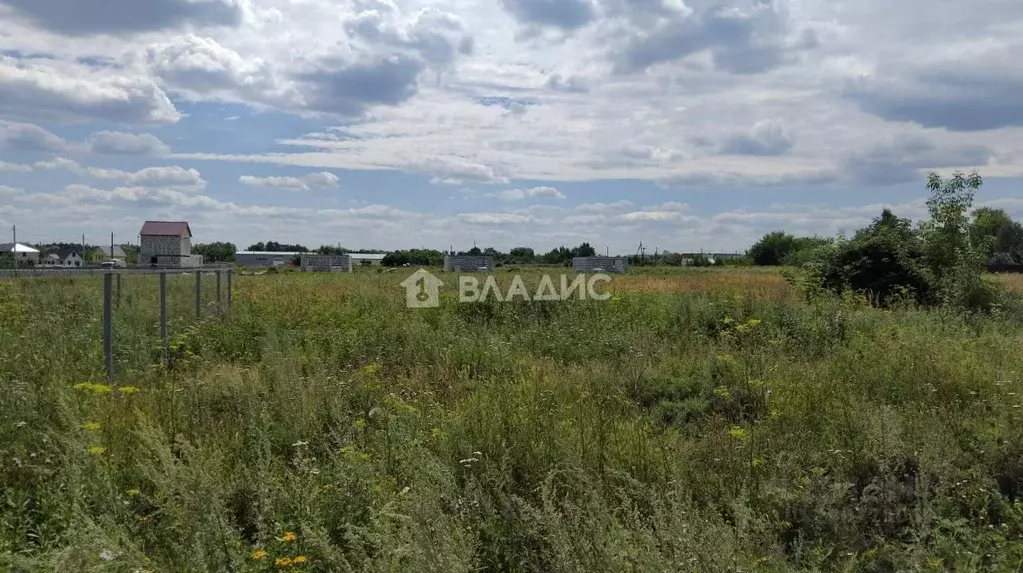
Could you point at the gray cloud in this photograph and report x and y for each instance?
(742, 37)
(766, 137)
(348, 89)
(902, 160)
(88, 17)
(120, 143)
(562, 14)
(961, 98)
(566, 84)
(28, 137)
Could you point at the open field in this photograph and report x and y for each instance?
(699, 420)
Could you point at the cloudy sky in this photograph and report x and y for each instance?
(684, 124)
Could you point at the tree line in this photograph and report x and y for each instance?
(938, 261)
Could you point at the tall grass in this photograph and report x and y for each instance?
(696, 421)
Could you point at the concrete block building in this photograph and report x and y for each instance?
(468, 263)
(167, 244)
(336, 263)
(266, 258)
(600, 264)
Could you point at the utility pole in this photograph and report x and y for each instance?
(111, 246)
(14, 230)
(83, 249)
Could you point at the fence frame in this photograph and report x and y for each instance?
(112, 296)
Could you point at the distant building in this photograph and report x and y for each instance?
(335, 263)
(66, 257)
(167, 244)
(106, 254)
(24, 255)
(467, 263)
(266, 258)
(366, 259)
(600, 264)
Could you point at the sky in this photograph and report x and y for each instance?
(684, 125)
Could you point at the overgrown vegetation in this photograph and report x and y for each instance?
(699, 420)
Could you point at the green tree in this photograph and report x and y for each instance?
(218, 252)
(993, 231)
(772, 249)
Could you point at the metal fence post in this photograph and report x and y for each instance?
(108, 327)
(198, 293)
(163, 314)
(118, 290)
(229, 273)
(218, 291)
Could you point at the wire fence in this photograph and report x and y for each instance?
(136, 311)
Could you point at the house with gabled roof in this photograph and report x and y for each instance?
(167, 244)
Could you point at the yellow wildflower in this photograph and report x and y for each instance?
(132, 492)
(96, 450)
(737, 433)
(753, 322)
(128, 390)
(258, 554)
(92, 388)
(283, 562)
(360, 424)
(299, 559)
(288, 536)
(91, 426)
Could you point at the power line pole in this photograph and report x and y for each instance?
(111, 246)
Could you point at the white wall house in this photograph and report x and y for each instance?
(167, 244)
(24, 255)
(67, 257)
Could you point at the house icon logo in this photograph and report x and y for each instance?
(422, 290)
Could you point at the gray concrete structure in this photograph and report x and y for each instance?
(600, 264)
(468, 263)
(265, 258)
(335, 263)
(167, 244)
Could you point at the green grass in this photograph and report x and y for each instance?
(700, 420)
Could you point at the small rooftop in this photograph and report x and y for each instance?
(166, 229)
(16, 248)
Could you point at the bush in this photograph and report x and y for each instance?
(938, 263)
(885, 261)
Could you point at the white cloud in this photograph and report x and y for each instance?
(14, 167)
(304, 183)
(41, 90)
(159, 176)
(120, 143)
(545, 192)
(28, 137)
